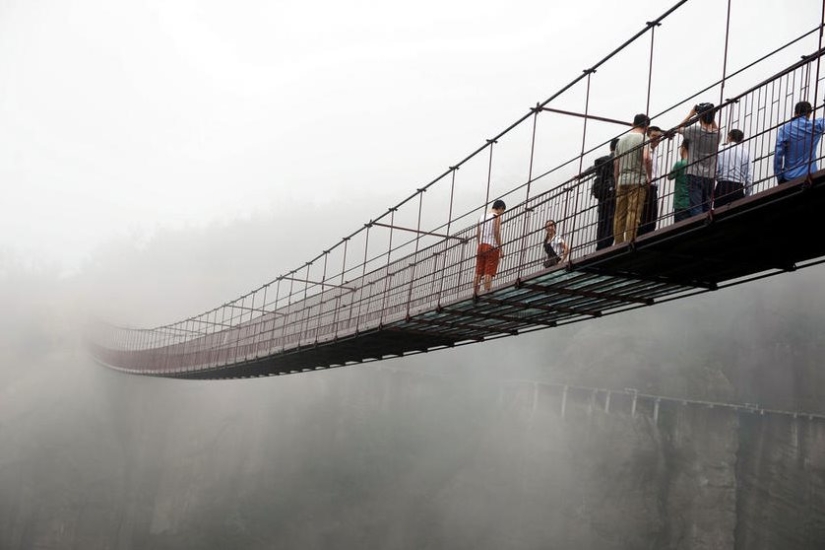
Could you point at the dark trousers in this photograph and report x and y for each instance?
(699, 192)
(650, 212)
(604, 228)
(727, 192)
(679, 215)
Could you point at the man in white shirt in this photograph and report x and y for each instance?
(733, 171)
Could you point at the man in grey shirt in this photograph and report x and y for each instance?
(701, 163)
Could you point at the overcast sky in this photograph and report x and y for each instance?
(122, 119)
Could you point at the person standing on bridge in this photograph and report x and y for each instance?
(733, 173)
(632, 170)
(681, 195)
(489, 246)
(701, 164)
(650, 211)
(604, 191)
(796, 144)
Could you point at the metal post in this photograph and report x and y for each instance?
(415, 254)
(387, 275)
(572, 234)
(321, 299)
(251, 332)
(340, 291)
(491, 143)
(528, 210)
(238, 328)
(269, 344)
(722, 91)
(447, 241)
(260, 332)
(652, 26)
(224, 333)
(363, 281)
(816, 83)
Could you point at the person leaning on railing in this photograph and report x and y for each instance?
(703, 134)
(796, 144)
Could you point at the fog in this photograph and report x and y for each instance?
(430, 451)
(159, 159)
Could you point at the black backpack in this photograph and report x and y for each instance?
(603, 183)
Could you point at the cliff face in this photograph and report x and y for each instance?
(392, 458)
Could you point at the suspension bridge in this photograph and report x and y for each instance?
(403, 282)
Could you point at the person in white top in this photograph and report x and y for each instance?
(489, 246)
(554, 245)
(733, 171)
(650, 211)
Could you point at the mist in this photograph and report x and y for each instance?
(159, 159)
(418, 452)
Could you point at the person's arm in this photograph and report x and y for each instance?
(746, 169)
(616, 162)
(497, 233)
(681, 126)
(674, 172)
(779, 154)
(647, 159)
(565, 250)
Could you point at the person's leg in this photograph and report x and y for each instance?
(737, 191)
(611, 211)
(650, 212)
(491, 267)
(602, 229)
(680, 215)
(727, 192)
(635, 203)
(620, 217)
(480, 261)
(695, 194)
(721, 195)
(707, 193)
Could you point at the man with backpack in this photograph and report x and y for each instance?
(604, 191)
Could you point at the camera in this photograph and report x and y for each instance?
(701, 108)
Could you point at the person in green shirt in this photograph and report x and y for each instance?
(681, 196)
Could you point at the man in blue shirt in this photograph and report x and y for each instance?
(796, 144)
